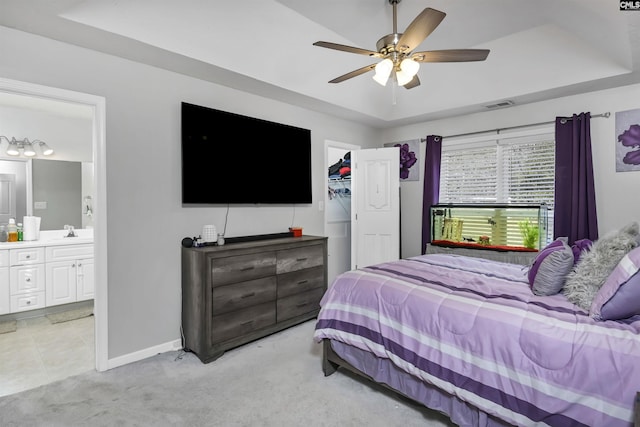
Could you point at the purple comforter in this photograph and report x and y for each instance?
(474, 329)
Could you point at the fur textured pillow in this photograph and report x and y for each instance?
(597, 262)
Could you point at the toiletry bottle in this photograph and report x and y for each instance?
(19, 232)
(3, 233)
(12, 231)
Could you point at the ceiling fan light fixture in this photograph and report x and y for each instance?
(409, 66)
(383, 71)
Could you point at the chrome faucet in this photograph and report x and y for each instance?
(70, 231)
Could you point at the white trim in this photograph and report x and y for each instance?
(100, 201)
(144, 353)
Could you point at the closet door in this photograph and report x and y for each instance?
(375, 206)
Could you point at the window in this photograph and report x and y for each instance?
(511, 168)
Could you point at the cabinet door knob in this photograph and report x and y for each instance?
(28, 302)
(28, 256)
(28, 279)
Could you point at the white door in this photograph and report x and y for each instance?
(375, 206)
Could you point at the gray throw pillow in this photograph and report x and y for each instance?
(597, 262)
(549, 270)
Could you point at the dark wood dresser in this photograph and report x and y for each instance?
(239, 292)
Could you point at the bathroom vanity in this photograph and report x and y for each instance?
(52, 270)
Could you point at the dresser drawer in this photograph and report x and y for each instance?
(29, 301)
(300, 281)
(245, 294)
(300, 258)
(237, 323)
(26, 278)
(299, 304)
(26, 256)
(241, 268)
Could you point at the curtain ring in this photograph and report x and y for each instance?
(436, 139)
(563, 120)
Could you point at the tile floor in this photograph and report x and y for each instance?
(40, 352)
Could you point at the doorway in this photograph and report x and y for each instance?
(95, 106)
(338, 210)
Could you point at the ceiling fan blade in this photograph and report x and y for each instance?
(349, 49)
(353, 73)
(415, 81)
(419, 29)
(451, 55)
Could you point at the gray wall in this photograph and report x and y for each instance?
(59, 184)
(145, 219)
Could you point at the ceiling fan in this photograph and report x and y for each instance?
(396, 51)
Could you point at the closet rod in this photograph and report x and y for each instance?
(605, 115)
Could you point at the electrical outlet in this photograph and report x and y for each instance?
(40, 205)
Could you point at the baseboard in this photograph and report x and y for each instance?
(144, 353)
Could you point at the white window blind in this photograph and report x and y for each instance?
(518, 168)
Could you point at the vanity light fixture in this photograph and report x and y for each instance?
(17, 146)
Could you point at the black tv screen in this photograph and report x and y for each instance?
(230, 158)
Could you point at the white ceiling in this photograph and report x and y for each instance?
(539, 49)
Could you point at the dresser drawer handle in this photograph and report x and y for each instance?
(249, 295)
(247, 268)
(247, 323)
(302, 282)
(302, 305)
(301, 259)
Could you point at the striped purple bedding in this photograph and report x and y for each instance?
(474, 329)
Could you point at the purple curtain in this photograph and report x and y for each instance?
(431, 192)
(575, 199)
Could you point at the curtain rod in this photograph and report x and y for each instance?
(564, 120)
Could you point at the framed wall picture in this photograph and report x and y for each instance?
(409, 159)
(628, 140)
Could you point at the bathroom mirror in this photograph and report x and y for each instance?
(58, 191)
(57, 188)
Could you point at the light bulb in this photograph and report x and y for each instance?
(383, 70)
(409, 66)
(29, 151)
(12, 149)
(403, 77)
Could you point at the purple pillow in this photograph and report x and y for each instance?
(619, 296)
(550, 268)
(578, 247)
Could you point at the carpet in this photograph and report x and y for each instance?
(66, 316)
(276, 381)
(8, 326)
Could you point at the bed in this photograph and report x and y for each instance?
(467, 337)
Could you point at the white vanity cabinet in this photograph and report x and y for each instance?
(5, 292)
(70, 274)
(26, 279)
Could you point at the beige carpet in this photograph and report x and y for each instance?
(8, 326)
(66, 316)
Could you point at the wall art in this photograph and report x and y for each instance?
(628, 140)
(409, 159)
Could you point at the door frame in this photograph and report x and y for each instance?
(98, 106)
(339, 146)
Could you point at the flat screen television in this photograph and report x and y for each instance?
(229, 158)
